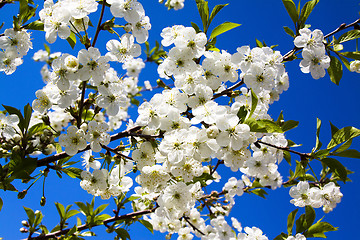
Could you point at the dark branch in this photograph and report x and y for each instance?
(53, 158)
(87, 226)
(228, 90)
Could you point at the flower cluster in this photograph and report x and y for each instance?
(315, 60)
(327, 196)
(14, 45)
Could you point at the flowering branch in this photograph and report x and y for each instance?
(88, 226)
(53, 158)
(228, 90)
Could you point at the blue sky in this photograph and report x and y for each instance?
(306, 100)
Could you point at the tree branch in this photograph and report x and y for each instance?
(228, 90)
(86, 226)
(302, 155)
(342, 26)
(45, 161)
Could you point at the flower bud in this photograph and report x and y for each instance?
(25, 223)
(23, 230)
(43, 201)
(212, 132)
(22, 194)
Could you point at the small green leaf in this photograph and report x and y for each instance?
(122, 233)
(259, 43)
(343, 135)
(215, 11)
(306, 10)
(72, 172)
(287, 157)
(147, 224)
(289, 31)
(27, 115)
(300, 224)
(334, 129)
(335, 70)
(309, 216)
(242, 114)
(60, 208)
(224, 27)
(288, 125)
(203, 9)
(282, 236)
(100, 209)
(72, 40)
(291, 221)
(260, 192)
(318, 143)
(348, 36)
(318, 230)
(262, 125)
(336, 167)
(1, 204)
(345, 62)
(291, 9)
(352, 55)
(36, 25)
(30, 214)
(254, 102)
(351, 153)
(196, 27)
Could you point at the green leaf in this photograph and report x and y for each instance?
(336, 167)
(318, 143)
(196, 27)
(306, 10)
(71, 213)
(287, 157)
(291, 221)
(30, 214)
(215, 11)
(291, 9)
(60, 208)
(259, 43)
(344, 146)
(288, 125)
(122, 233)
(27, 115)
(73, 172)
(242, 114)
(262, 125)
(260, 192)
(309, 216)
(36, 25)
(352, 55)
(335, 70)
(203, 9)
(299, 170)
(22, 167)
(345, 62)
(147, 224)
(282, 236)
(300, 224)
(318, 230)
(348, 36)
(37, 128)
(334, 129)
(1, 204)
(72, 40)
(100, 209)
(224, 27)
(351, 153)
(343, 135)
(289, 31)
(254, 102)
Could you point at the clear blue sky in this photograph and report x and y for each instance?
(305, 100)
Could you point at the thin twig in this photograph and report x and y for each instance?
(87, 226)
(99, 24)
(304, 155)
(228, 90)
(45, 161)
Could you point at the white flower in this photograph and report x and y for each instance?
(315, 62)
(124, 50)
(97, 135)
(89, 161)
(42, 103)
(355, 66)
(309, 40)
(73, 140)
(17, 41)
(8, 125)
(131, 10)
(9, 60)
